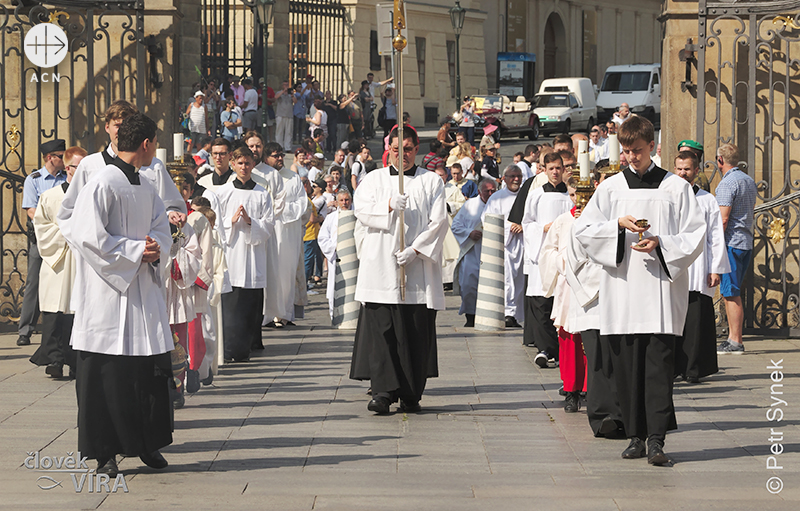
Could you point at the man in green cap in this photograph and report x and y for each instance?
(696, 148)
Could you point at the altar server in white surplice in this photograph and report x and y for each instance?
(500, 204)
(468, 231)
(395, 346)
(290, 226)
(542, 206)
(327, 239)
(222, 173)
(644, 285)
(154, 172)
(119, 234)
(695, 350)
(247, 214)
(56, 276)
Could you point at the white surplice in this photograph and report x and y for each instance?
(187, 257)
(714, 258)
(327, 238)
(279, 299)
(58, 269)
(425, 228)
(639, 295)
(246, 245)
(118, 300)
(155, 173)
(583, 278)
(467, 220)
(541, 208)
(500, 203)
(205, 273)
(454, 198)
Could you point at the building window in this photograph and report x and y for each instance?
(374, 56)
(451, 65)
(421, 64)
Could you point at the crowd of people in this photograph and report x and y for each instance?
(141, 281)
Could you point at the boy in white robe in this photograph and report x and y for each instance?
(119, 234)
(395, 345)
(695, 350)
(542, 206)
(155, 172)
(223, 173)
(247, 213)
(644, 284)
(55, 277)
(513, 258)
(468, 231)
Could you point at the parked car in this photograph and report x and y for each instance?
(637, 85)
(564, 104)
(511, 117)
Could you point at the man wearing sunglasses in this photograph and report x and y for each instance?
(49, 176)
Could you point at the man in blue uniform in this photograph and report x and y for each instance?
(49, 176)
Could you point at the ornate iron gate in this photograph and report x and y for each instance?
(227, 39)
(317, 41)
(106, 62)
(748, 90)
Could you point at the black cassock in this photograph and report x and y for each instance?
(601, 389)
(395, 348)
(696, 349)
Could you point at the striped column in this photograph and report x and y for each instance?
(345, 308)
(490, 306)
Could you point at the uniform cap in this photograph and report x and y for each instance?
(691, 144)
(53, 146)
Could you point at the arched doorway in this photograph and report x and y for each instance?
(555, 47)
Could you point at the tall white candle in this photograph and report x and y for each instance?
(177, 145)
(583, 159)
(613, 149)
(161, 154)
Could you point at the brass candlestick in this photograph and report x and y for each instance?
(584, 189)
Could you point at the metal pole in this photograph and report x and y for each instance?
(458, 71)
(264, 130)
(399, 43)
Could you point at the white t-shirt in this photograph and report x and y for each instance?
(359, 170)
(251, 97)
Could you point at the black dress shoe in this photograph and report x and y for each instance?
(573, 402)
(23, 341)
(55, 370)
(154, 460)
(108, 466)
(636, 449)
(256, 347)
(192, 381)
(511, 322)
(694, 380)
(541, 359)
(655, 453)
(209, 380)
(607, 426)
(379, 405)
(470, 321)
(410, 406)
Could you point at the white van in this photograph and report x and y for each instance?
(637, 85)
(565, 104)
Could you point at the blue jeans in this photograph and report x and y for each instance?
(313, 257)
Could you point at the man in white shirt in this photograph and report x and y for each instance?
(249, 106)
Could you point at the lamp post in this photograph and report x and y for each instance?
(457, 15)
(264, 10)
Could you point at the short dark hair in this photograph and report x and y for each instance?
(272, 147)
(317, 132)
(409, 133)
(531, 149)
(337, 168)
(635, 128)
(435, 146)
(134, 130)
(189, 179)
(689, 155)
(562, 139)
(222, 141)
(119, 109)
(567, 155)
(243, 151)
(551, 157)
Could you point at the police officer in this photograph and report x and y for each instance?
(697, 148)
(49, 176)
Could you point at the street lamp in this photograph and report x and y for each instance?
(264, 10)
(457, 15)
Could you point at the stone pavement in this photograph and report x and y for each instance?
(290, 431)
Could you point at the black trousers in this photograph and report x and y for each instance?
(242, 314)
(56, 333)
(643, 370)
(395, 349)
(539, 329)
(30, 302)
(696, 349)
(123, 404)
(601, 389)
